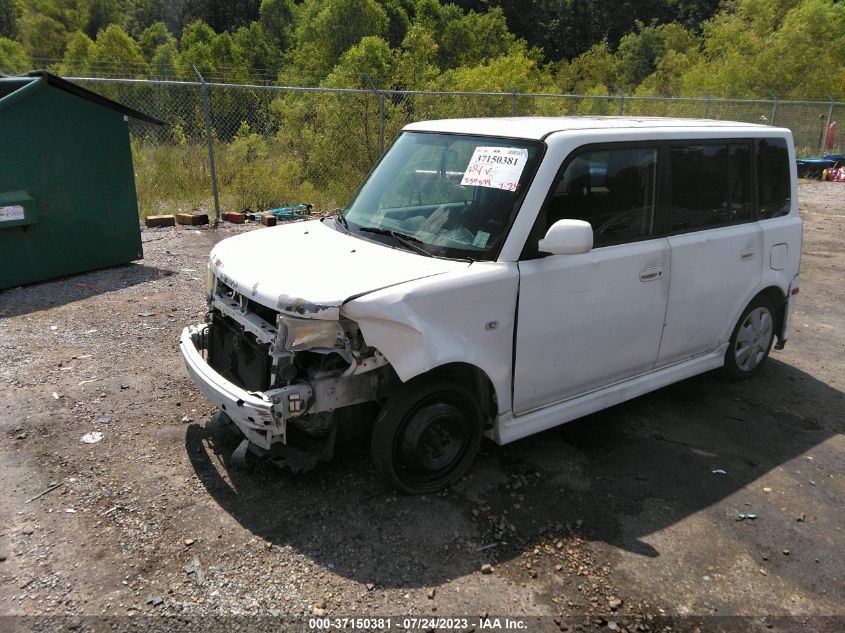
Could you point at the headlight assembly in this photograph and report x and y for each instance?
(304, 334)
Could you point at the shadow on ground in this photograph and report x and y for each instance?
(57, 292)
(616, 476)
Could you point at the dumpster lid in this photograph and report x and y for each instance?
(79, 91)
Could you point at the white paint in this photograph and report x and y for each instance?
(11, 212)
(588, 320)
(715, 273)
(309, 269)
(575, 333)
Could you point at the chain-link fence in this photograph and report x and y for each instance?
(279, 145)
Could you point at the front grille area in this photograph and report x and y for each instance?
(268, 314)
(237, 356)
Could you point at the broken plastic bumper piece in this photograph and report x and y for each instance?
(261, 417)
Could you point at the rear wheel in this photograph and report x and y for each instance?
(751, 340)
(426, 435)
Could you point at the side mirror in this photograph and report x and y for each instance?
(567, 237)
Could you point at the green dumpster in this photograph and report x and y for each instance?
(67, 188)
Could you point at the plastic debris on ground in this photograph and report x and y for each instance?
(293, 212)
(92, 438)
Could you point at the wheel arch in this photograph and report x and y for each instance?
(477, 379)
(778, 298)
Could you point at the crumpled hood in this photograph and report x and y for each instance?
(308, 269)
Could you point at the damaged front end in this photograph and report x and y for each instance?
(289, 384)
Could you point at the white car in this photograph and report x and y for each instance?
(498, 277)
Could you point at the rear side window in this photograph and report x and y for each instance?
(711, 185)
(773, 178)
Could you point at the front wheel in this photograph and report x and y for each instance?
(751, 340)
(426, 435)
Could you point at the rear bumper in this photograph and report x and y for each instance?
(255, 414)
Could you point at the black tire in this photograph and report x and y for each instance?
(751, 340)
(426, 435)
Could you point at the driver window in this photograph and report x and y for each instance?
(614, 190)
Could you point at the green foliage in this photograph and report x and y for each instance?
(141, 14)
(275, 149)
(469, 39)
(44, 38)
(102, 13)
(793, 48)
(368, 61)
(399, 20)
(163, 63)
(13, 57)
(640, 52)
(277, 20)
(154, 36)
(328, 28)
(10, 13)
(221, 15)
(77, 55)
(416, 61)
(115, 48)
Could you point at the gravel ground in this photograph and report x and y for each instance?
(613, 522)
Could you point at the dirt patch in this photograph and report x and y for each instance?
(625, 519)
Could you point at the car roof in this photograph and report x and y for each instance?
(540, 127)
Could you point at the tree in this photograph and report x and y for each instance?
(44, 38)
(639, 52)
(398, 19)
(101, 13)
(469, 39)
(154, 36)
(328, 29)
(77, 55)
(222, 15)
(594, 69)
(256, 53)
(13, 57)
(277, 19)
(141, 14)
(164, 60)
(371, 60)
(115, 52)
(196, 51)
(9, 15)
(416, 64)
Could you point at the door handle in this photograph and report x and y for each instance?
(650, 274)
(747, 254)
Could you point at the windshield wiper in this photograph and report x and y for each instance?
(406, 240)
(339, 219)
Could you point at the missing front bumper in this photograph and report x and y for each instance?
(258, 416)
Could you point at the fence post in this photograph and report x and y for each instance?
(381, 123)
(513, 98)
(827, 124)
(621, 99)
(706, 105)
(208, 138)
(380, 95)
(774, 108)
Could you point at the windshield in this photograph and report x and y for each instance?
(445, 194)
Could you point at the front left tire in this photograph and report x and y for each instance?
(427, 435)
